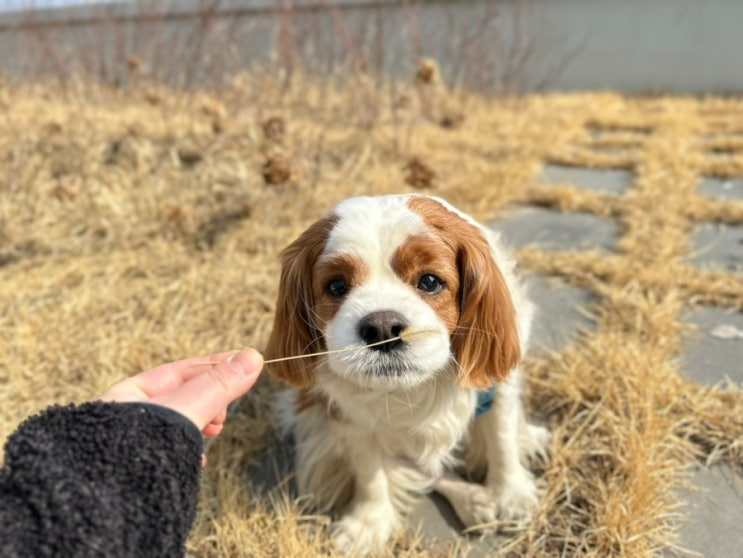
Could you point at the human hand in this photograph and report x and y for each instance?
(199, 388)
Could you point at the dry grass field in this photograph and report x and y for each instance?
(141, 225)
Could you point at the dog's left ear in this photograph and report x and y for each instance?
(295, 331)
(486, 341)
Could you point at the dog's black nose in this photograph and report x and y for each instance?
(381, 326)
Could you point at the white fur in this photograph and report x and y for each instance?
(403, 434)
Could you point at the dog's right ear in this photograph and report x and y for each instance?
(295, 331)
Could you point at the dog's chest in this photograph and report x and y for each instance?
(425, 428)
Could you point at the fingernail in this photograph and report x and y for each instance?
(249, 361)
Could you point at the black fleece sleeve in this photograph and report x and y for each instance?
(100, 479)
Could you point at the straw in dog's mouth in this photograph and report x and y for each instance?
(408, 335)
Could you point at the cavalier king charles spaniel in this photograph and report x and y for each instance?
(439, 409)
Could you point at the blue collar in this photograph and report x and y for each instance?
(484, 400)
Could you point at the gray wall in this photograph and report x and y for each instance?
(685, 46)
(638, 46)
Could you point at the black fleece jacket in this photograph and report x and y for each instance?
(100, 479)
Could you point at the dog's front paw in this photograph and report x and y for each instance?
(534, 443)
(365, 531)
(474, 504)
(516, 499)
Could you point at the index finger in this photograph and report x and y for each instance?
(164, 378)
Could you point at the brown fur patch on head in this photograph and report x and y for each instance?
(485, 342)
(341, 266)
(295, 328)
(428, 254)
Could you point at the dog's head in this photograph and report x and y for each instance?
(378, 266)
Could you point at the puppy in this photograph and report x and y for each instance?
(378, 425)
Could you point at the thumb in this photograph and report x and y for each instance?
(207, 395)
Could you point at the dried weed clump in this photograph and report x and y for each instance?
(274, 129)
(277, 169)
(419, 174)
(428, 73)
(131, 233)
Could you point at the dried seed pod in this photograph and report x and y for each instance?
(277, 169)
(419, 174)
(427, 72)
(274, 128)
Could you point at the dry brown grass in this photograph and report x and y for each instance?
(136, 227)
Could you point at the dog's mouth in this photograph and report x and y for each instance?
(388, 365)
(374, 362)
(372, 368)
(387, 348)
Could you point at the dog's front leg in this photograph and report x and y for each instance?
(501, 442)
(505, 431)
(371, 518)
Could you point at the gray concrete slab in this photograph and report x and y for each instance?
(713, 510)
(612, 181)
(562, 312)
(718, 245)
(434, 519)
(714, 351)
(714, 513)
(721, 188)
(273, 471)
(550, 230)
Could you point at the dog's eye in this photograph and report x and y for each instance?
(430, 284)
(337, 288)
